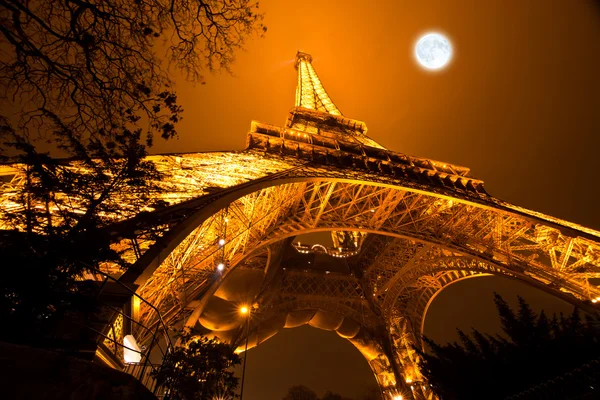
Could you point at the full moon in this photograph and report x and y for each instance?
(433, 51)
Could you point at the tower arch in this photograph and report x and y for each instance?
(509, 241)
(437, 238)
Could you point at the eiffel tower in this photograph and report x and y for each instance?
(399, 230)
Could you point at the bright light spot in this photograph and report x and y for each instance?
(408, 380)
(372, 210)
(398, 397)
(220, 266)
(221, 242)
(244, 310)
(131, 351)
(594, 301)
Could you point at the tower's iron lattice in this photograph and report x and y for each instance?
(403, 228)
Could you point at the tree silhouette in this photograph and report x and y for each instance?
(531, 350)
(84, 73)
(333, 396)
(199, 369)
(371, 393)
(85, 89)
(300, 392)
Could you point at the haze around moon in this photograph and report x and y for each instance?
(433, 51)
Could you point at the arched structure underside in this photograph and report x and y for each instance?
(403, 228)
(374, 291)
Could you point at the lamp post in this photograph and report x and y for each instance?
(244, 310)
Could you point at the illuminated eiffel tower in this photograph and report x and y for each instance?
(237, 228)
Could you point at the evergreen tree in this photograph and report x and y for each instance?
(530, 350)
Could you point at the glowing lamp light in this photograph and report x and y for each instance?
(131, 351)
(220, 267)
(221, 242)
(594, 300)
(244, 310)
(398, 397)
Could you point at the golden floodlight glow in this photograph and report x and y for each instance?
(398, 397)
(220, 266)
(244, 310)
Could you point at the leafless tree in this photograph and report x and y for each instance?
(79, 72)
(85, 79)
(89, 80)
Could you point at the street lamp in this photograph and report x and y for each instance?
(245, 310)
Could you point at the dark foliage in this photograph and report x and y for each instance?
(533, 348)
(300, 392)
(199, 369)
(85, 74)
(85, 89)
(39, 286)
(333, 396)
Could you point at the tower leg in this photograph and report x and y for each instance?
(401, 344)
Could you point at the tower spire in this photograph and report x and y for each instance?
(310, 93)
(314, 112)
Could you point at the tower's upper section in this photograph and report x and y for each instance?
(314, 112)
(316, 130)
(310, 93)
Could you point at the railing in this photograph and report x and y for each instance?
(142, 370)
